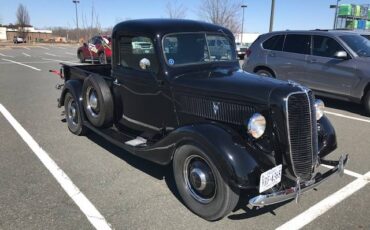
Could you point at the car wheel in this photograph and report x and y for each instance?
(366, 102)
(81, 57)
(102, 58)
(200, 184)
(73, 115)
(98, 101)
(265, 73)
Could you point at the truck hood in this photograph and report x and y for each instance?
(230, 84)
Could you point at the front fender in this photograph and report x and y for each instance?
(226, 149)
(327, 137)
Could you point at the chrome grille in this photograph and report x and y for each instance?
(302, 133)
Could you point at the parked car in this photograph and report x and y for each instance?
(333, 63)
(224, 131)
(241, 48)
(98, 48)
(17, 40)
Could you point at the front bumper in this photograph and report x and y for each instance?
(295, 192)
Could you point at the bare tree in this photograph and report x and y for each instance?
(23, 20)
(174, 9)
(225, 13)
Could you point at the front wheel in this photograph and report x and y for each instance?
(265, 73)
(81, 57)
(200, 184)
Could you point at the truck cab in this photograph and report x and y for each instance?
(170, 98)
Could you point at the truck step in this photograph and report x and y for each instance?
(137, 141)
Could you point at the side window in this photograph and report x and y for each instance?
(97, 41)
(274, 43)
(133, 49)
(297, 43)
(325, 47)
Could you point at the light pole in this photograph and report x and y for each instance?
(241, 35)
(336, 13)
(272, 15)
(78, 32)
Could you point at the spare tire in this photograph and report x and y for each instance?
(97, 101)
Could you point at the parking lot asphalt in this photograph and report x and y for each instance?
(131, 193)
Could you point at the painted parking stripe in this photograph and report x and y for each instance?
(348, 117)
(51, 54)
(26, 48)
(3, 55)
(70, 53)
(323, 206)
(346, 171)
(27, 55)
(43, 47)
(31, 67)
(47, 59)
(92, 214)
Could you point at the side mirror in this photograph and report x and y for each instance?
(341, 55)
(144, 64)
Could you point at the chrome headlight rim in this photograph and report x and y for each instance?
(319, 108)
(256, 125)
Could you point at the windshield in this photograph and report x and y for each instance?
(197, 48)
(359, 44)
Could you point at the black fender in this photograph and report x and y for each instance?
(327, 137)
(223, 145)
(75, 88)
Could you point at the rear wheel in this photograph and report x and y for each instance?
(200, 184)
(73, 115)
(265, 73)
(366, 102)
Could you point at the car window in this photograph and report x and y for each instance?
(358, 44)
(133, 49)
(297, 43)
(325, 46)
(274, 43)
(97, 41)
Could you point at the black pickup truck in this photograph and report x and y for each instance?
(167, 97)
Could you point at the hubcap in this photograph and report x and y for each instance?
(199, 179)
(72, 112)
(92, 102)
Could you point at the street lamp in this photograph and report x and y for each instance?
(336, 13)
(272, 15)
(241, 35)
(76, 2)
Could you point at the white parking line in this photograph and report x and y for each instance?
(348, 172)
(3, 55)
(323, 206)
(26, 48)
(59, 47)
(349, 117)
(27, 55)
(92, 214)
(51, 54)
(70, 53)
(43, 47)
(31, 67)
(47, 59)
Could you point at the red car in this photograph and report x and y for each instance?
(98, 48)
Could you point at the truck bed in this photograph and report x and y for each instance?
(82, 71)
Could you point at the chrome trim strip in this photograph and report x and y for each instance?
(140, 123)
(305, 91)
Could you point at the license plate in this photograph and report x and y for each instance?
(270, 178)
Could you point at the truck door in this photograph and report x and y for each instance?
(146, 98)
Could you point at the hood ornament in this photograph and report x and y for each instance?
(216, 107)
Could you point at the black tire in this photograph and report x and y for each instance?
(97, 101)
(102, 58)
(218, 198)
(73, 115)
(265, 73)
(81, 56)
(366, 102)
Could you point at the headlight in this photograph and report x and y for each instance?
(256, 125)
(319, 106)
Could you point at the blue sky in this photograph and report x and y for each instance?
(289, 14)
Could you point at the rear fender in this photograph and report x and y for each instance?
(75, 88)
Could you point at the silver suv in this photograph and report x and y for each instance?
(334, 64)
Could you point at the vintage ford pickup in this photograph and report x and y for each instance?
(167, 97)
